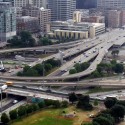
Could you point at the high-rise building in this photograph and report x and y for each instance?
(22, 3)
(44, 18)
(39, 3)
(111, 4)
(85, 4)
(30, 10)
(27, 23)
(19, 3)
(7, 21)
(122, 18)
(62, 9)
(113, 18)
(44, 15)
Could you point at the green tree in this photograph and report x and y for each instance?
(113, 62)
(118, 111)
(48, 102)
(23, 40)
(96, 74)
(41, 104)
(26, 68)
(119, 68)
(121, 102)
(39, 68)
(77, 67)
(83, 103)
(48, 67)
(53, 62)
(64, 104)
(56, 104)
(13, 114)
(110, 102)
(35, 107)
(85, 65)
(72, 71)
(45, 41)
(95, 102)
(31, 72)
(73, 97)
(102, 120)
(21, 111)
(29, 109)
(99, 69)
(4, 118)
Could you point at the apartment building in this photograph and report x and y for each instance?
(7, 21)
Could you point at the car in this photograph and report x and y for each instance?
(48, 90)
(91, 68)
(15, 101)
(102, 47)
(91, 116)
(65, 70)
(119, 91)
(24, 87)
(10, 71)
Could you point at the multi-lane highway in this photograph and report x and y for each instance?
(106, 41)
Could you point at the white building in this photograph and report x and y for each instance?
(77, 15)
(44, 18)
(76, 30)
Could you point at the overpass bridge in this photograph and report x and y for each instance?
(35, 94)
(106, 44)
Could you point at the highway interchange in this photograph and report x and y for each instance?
(100, 45)
(74, 52)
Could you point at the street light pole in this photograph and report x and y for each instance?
(1, 89)
(43, 67)
(1, 100)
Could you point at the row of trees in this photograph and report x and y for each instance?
(44, 41)
(112, 115)
(108, 69)
(39, 69)
(83, 101)
(30, 108)
(24, 39)
(79, 67)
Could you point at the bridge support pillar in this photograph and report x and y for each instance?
(75, 87)
(34, 52)
(78, 79)
(24, 53)
(49, 87)
(44, 51)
